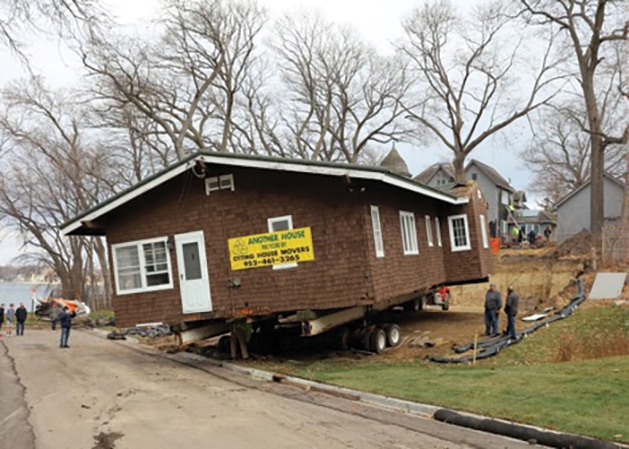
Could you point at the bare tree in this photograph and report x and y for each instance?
(588, 27)
(340, 95)
(65, 16)
(469, 73)
(188, 82)
(48, 177)
(559, 152)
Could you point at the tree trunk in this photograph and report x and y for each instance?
(624, 237)
(459, 167)
(597, 201)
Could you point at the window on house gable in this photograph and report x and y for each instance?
(142, 266)
(429, 231)
(377, 231)
(438, 229)
(459, 233)
(222, 182)
(483, 228)
(409, 233)
(277, 224)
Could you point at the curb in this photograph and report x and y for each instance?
(504, 428)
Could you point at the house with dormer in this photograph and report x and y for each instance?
(497, 190)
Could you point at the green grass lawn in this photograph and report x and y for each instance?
(530, 383)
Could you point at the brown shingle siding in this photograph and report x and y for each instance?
(345, 271)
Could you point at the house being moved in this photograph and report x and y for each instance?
(219, 236)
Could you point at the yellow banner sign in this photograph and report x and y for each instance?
(275, 248)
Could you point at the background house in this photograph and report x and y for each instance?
(573, 210)
(496, 189)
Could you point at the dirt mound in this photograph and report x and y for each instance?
(578, 245)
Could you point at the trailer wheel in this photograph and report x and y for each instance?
(416, 304)
(446, 302)
(378, 341)
(224, 344)
(341, 339)
(394, 335)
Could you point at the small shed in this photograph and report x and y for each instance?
(222, 235)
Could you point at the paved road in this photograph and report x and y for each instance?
(105, 395)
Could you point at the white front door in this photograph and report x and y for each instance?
(193, 275)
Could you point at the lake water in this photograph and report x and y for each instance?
(15, 292)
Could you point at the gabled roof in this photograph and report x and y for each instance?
(425, 176)
(491, 173)
(566, 197)
(258, 162)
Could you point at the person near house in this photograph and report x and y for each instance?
(531, 237)
(547, 232)
(511, 309)
(1, 315)
(65, 320)
(20, 316)
(493, 304)
(10, 319)
(55, 310)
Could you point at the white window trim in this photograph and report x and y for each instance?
(429, 231)
(413, 247)
(218, 180)
(438, 228)
(377, 231)
(483, 230)
(270, 222)
(467, 233)
(144, 288)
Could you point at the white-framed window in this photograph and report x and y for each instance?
(142, 266)
(377, 231)
(277, 224)
(409, 233)
(429, 231)
(483, 230)
(438, 229)
(459, 233)
(222, 182)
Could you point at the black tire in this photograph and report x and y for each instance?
(394, 335)
(415, 305)
(341, 339)
(446, 302)
(224, 344)
(377, 341)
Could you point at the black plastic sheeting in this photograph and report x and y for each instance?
(543, 437)
(493, 346)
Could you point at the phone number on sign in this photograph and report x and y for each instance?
(272, 261)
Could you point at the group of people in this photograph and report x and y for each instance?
(17, 318)
(493, 304)
(520, 235)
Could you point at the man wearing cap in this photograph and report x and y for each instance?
(493, 304)
(511, 309)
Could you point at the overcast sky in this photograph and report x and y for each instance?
(378, 22)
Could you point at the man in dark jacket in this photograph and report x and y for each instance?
(1, 315)
(20, 316)
(493, 303)
(511, 309)
(65, 319)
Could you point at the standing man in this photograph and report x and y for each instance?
(65, 319)
(1, 315)
(20, 315)
(493, 303)
(10, 319)
(511, 309)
